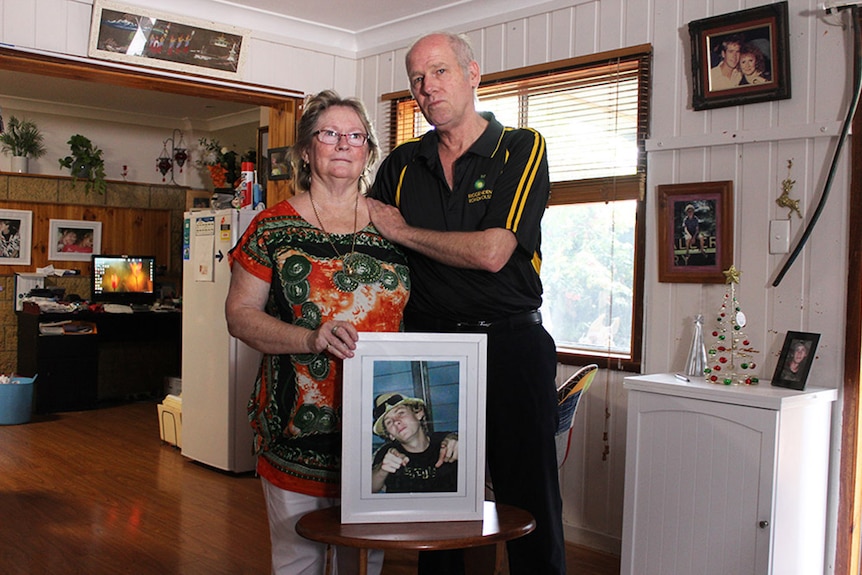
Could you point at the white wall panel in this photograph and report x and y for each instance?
(18, 23)
(611, 22)
(514, 35)
(561, 34)
(52, 16)
(586, 28)
(538, 32)
(78, 17)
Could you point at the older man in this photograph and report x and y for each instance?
(466, 200)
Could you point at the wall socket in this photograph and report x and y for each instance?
(779, 236)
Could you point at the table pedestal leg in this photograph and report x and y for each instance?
(501, 558)
(327, 561)
(363, 561)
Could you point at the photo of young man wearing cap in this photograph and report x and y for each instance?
(413, 459)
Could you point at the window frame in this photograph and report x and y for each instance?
(602, 189)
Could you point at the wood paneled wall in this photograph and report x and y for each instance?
(124, 230)
(282, 132)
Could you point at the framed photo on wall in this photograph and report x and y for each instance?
(279, 163)
(16, 237)
(740, 58)
(795, 360)
(144, 37)
(695, 231)
(399, 384)
(74, 240)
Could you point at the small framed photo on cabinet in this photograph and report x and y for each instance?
(795, 360)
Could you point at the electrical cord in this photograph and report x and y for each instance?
(845, 129)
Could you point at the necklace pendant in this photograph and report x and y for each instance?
(347, 265)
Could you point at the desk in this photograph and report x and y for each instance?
(501, 523)
(129, 357)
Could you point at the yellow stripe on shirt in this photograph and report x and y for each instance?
(398, 189)
(524, 186)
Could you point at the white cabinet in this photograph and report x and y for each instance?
(724, 479)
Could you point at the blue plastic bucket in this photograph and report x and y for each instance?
(16, 400)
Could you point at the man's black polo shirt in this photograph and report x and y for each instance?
(500, 182)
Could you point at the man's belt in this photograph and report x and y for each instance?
(512, 322)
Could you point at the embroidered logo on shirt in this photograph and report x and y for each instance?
(479, 196)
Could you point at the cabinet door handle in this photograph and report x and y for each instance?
(763, 524)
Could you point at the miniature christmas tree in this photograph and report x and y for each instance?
(730, 357)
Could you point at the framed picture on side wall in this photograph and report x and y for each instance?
(740, 58)
(279, 163)
(400, 384)
(695, 231)
(74, 240)
(16, 237)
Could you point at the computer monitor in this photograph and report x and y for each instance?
(123, 279)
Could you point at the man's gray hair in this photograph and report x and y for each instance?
(459, 43)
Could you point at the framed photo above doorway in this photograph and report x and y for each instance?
(146, 37)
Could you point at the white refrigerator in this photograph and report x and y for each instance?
(218, 371)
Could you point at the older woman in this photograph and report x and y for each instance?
(307, 276)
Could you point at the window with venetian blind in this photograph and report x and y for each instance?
(593, 112)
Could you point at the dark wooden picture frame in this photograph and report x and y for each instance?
(795, 360)
(757, 42)
(279, 163)
(695, 231)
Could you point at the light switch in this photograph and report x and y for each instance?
(779, 236)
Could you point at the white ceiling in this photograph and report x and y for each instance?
(354, 16)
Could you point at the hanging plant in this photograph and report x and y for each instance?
(85, 162)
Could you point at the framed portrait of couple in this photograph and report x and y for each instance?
(740, 58)
(414, 428)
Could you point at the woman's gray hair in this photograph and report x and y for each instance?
(314, 107)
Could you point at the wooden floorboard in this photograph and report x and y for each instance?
(98, 493)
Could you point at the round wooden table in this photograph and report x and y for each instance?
(500, 523)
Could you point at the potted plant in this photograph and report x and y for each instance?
(22, 139)
(85, 162)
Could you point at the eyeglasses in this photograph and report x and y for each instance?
(355, 139)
